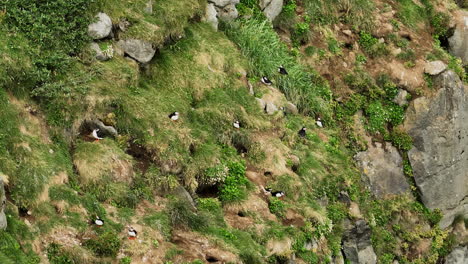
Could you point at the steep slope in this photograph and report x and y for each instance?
(195, 189)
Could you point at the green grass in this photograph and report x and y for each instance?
(258, 41)
(168, 20)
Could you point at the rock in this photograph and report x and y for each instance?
(140, 50)
(89, 125)
(458, 255)
(210, 16)
(123, 24)
(184, 195)
(458, 43)
(434, 67)
(383, 168)
(223, 3)
(228, 13)
(102, 55)
(291, 109)
(348, 32)
(271, 8)
(261, 103)
(339, 259)
(149, 7)
(271, 108)
(401, 98)
(357, 245)
(3, 219)
(439, 128)
(279, 247)
(101, 28)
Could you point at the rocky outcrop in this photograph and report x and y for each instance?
(401, 98)
(211, 16)
(101, 28)
(271, 8)
(357, 245)
(439, 128)
(102, 55)
(434, 67)
(458, 43)
(140, 50)
(382, 166)
(185, 196)
(458, 256)
(3, 219)
(225, 9)
(89, 125)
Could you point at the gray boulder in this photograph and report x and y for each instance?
(271, 108)
(291, 109)
(271, 8)
(261, 103)
(101, 28)
(140, 50)
(458, 43)
(439, 128)
(3, 219)
(149, 7)
(181, 193)
(223, 3)
(434, 67)
(400, 99)
(382, 166)
(357, 245)
(99, 54)
(228, 13)
(211, 16)
(105, 130)
(458, 255)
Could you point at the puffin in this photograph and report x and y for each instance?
(95, 135)
(174, 116)
(319, 122)
(277, 194)
(282, 70)
(132, 233)
(236, 124)
(98, 222)
(302, 132)
(266, 81)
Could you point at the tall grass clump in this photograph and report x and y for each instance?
(261, 45)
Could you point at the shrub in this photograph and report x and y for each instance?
(401, 139)
(277, 207)
(105, 245)
(234, 187)
(57, 256)
(377, 117)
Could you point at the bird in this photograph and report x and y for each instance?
(132, 233)
(99, 222)
(319, 122)
(174, 116)
(282, 70)
(302, 132)
(236, 124)
(265, 80)
(95, 135)
(277, 194)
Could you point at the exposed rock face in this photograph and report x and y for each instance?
(458, 256)
(357, 245)
(211, 16)
(459, 41)
(400, 99)
(434, 67)
(271, 8)
(439, 127)
(100, 54)
(382, 165)
(141, 51)
(290, 108)
(182, 194)
(101, 28)
(89, 125)
(3, 219)
(225, 9)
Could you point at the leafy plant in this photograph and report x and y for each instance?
(234, 187)
(277, 206)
